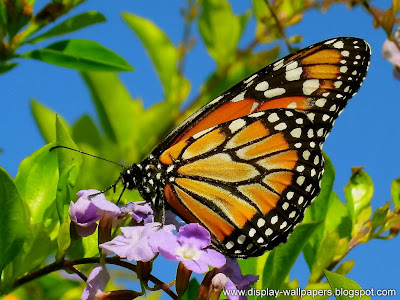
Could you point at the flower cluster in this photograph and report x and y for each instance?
(143, 239)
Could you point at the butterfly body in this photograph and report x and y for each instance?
(248, 164)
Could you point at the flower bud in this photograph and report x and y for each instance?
(217, 284)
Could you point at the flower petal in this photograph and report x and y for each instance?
(194, 235)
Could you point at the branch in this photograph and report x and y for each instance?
(69, 264)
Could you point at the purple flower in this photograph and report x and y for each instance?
(391, 52)
(86, 212)
(189, 247)
(170, 218)
(96, 282)
(139, 211)
(133, 244)
(235, 278)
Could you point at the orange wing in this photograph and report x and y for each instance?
(247, 180)
(318, 80)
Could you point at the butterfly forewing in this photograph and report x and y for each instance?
(318, 80)
(248, 164)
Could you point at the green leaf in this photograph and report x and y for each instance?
(176, 88)
(3, 20)
(36, 250)
(68, 168)
(82, 55)
(330, 247)
(37, 180)
(337, 218)
(282, 258)
(70, 25)
(221, 30)
(358, 193)
(379, 216)
(13, 220)
(395, 191)
(117, 117)
(45, 119)
(340, 282)
(193, 289)
(7, 66)
(63, 239)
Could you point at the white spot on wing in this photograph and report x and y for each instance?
(262, 86)
(274, 92)
(236, 125)
(310, 86)
(239, 97)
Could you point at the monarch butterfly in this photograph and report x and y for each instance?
(248, 164)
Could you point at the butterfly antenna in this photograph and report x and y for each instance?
(88, 154)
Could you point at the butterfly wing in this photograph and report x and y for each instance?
(248, 164)
(318, 80)
(248, 180)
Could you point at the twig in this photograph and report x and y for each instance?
(69, 264)
(279, 26)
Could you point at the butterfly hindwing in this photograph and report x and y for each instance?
(247, 180)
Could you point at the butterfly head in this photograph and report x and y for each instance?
(131, 177)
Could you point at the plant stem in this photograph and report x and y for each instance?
(69, 264)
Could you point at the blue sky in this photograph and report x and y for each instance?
(365, 134)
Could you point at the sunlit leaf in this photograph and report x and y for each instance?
(340, 282)
(358, 192)
(68, 167)
(45, 119)
(13, 220)
(221, 30)
(176, 88)
(70, 25)
(7, 66)
(282, 258)
(37, 180)
(395, 191)
(82, 55)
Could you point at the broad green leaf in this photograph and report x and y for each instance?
(281, 259)
(85, 131)
(331, 247)
(337, 218)
(70, 25)
(37, 180)
(318, 211)
(221, 30)
(63, 239)
(7, 66)
(68, 168)
(117, 117)
(395, 191)
(13, 220)
(358, 193)
(45, 119)
(36, 250)
(193, 289)
(176, 88)
(340, 282)
(82, 55)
